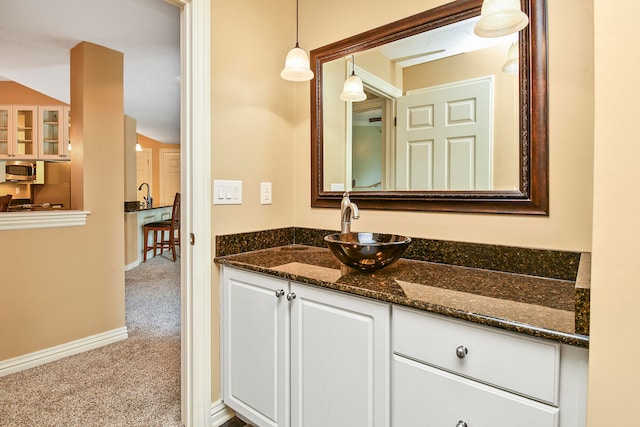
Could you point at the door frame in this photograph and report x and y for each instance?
(195, 158)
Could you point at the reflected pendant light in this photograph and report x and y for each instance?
(500, 18)
(511, 66)
(296, 66)
(353, 90)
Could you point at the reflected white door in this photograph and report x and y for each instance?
(169, 175)
(445, 137)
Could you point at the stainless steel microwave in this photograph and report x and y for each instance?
(21, 170)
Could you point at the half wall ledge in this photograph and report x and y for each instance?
(31, 220)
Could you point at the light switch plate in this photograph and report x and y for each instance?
(227, 192)
(265, 193)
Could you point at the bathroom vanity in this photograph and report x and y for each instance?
(310, 342)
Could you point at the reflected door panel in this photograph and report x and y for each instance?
(420, 156)
(445, 137)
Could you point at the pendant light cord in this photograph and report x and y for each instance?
(297, 45)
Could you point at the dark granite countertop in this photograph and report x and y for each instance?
(139, 209)
(543, 307)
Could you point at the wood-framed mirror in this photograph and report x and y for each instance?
(401, 187)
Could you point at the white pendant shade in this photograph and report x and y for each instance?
(500, 18)
(353, 90)
(511, 66)
(296, 66)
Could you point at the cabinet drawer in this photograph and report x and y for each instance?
(426, 396)
(516, 363)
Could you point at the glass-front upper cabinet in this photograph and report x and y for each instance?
(53, 140)
(5, 130)
(26, 131)
(18, 132)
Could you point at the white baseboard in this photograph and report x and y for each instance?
(41, 357)
(220, 413)
(131, 266)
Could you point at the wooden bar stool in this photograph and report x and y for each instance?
(159, 228)
(4, 202)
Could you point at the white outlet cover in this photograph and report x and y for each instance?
(265, 193)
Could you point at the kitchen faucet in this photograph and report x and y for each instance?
(348, 209)
(148, 200)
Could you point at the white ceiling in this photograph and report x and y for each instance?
(442, 42)
(37, 35)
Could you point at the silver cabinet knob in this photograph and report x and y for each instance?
(279, 293)
(461, 352)
(461, 424)
(291, 296)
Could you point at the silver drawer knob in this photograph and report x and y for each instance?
(461, 352)
(461, 424)
(291, 296)
(279, 293)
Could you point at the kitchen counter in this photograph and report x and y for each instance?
(543, 307)
(139, 209)
(134, 230)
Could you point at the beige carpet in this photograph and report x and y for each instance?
(135, 382)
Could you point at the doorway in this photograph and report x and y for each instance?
(169, 175)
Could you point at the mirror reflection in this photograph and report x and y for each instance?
(512, 180)
(441, 113)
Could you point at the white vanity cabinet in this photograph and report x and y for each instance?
(302, 356)
(448, 372)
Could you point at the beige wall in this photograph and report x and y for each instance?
(64, 284)
(335, 111)
(252, 121)
(15, 93)
(130, 174)
(614, 383)
(261, 128)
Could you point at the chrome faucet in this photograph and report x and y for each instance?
(348, 210)
(147, 200)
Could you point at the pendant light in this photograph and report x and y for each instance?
(296, 66)
(353, 90)
(511, 66)
(500, 18)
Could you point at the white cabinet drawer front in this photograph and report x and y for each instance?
(430, 397)
(520, 364)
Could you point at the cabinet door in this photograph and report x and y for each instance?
(255, 346)
(340, 347)
(52, 140)
(427, 396)
(25, 132)
(6, 126)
